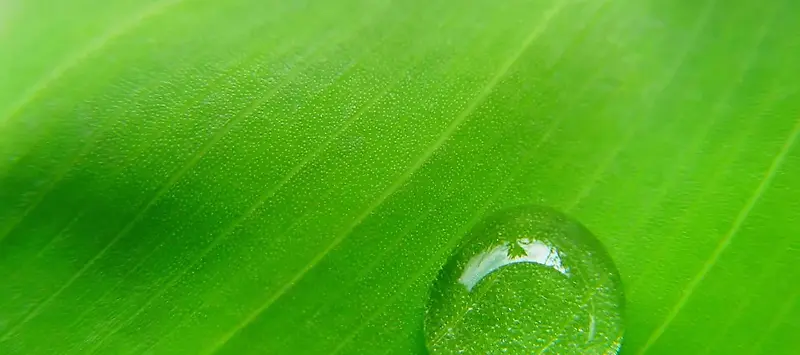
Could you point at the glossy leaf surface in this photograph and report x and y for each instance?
(287, 177)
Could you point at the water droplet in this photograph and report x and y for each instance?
(526, 280)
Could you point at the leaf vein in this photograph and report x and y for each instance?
(725, 241)
(260, 201)
(152, 201)
(601, 170)
(448, 132)
(93, 47)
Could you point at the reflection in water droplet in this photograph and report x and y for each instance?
(526, 280)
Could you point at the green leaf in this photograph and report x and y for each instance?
(287, 177)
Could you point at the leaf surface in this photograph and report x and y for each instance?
(287, 177)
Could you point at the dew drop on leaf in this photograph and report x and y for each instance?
(526, 280)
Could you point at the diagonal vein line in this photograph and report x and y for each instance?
(297, 222)
(56, 237)
(762, 284)
(96, 135)
(474, 220)
(784, 311)
(156, 197)
(392, 248)
(140, 150)
(476, 217)
(479, 296)
(449, 131)
(60, 174)
(558, 336)
(545, 137)
(590, 185)
(260, 201)
(463, 314)
(716, 115)
(726, 239)
(93, 47)
(589, 299)
(686, 155)
(748, 64)
(302, 218)
(453, 242)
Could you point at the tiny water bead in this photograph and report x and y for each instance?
(526, 280)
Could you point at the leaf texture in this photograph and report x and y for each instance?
(287, 177)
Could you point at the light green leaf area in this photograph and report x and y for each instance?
(288, 177)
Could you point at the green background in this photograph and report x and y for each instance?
(286, 177)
